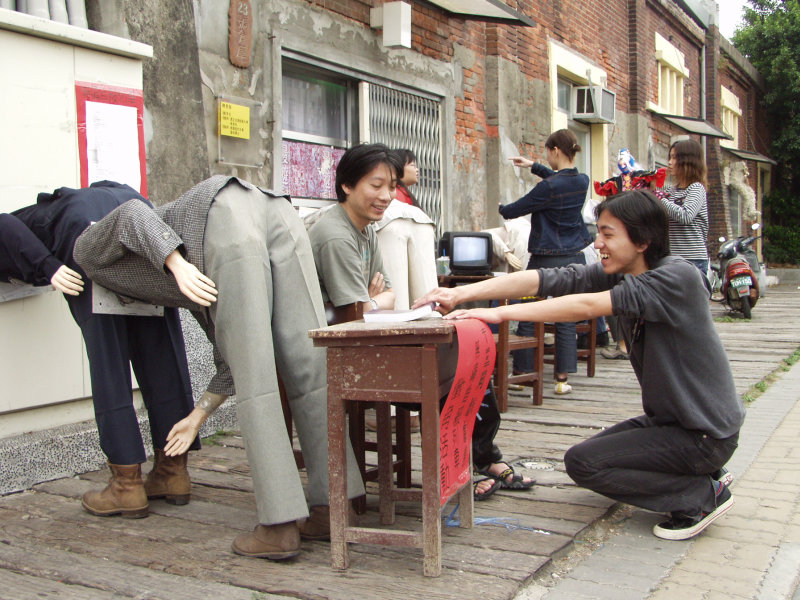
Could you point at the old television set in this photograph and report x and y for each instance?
(470, 252)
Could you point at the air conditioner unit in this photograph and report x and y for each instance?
(593, 104)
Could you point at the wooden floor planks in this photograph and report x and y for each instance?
(52, 548)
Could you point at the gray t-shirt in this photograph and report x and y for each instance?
(675, 350)
(346, 258)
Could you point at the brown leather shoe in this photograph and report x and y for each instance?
(318, 524)
(274, 542)
(169, 478)
(124, 495)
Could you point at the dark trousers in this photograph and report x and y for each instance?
(154, 347)
(487, 423)
(566, 338)
(660, 468)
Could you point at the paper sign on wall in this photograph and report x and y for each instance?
(234, 120)
(476, 357)
(111, 135)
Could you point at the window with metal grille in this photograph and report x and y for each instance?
(401, 119)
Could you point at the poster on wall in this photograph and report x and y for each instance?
(111, 135)
(309, 170)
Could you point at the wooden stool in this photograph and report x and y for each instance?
(413, 363)
(585, 354)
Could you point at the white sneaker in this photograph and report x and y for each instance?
(562, 387)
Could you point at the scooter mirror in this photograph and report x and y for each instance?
(755, 226)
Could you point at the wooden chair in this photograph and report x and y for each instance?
(401, 449)
(507, 342)
(585, 354)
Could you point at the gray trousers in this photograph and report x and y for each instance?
(257, 252)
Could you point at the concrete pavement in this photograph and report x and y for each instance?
(751, 552)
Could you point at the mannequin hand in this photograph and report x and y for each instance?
(184, 432)
(513, 261)
(68, 281)
(377, 285)
(192, 283)
(521, 161)
(488, 315)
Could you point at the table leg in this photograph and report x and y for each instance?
(385, 473)
(431, 459)
(337, 461)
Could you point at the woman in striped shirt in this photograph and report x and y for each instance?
(686, 203)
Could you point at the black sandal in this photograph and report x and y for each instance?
(478, 497)
(517, 481)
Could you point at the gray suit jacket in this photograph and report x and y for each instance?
(126, 250)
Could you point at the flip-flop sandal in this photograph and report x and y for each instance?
(478, 497)
(517, 481)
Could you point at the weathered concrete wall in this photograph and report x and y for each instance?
(177, 155)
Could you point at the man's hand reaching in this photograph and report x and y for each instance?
(68, 281)
(445, 299)
(192, 283)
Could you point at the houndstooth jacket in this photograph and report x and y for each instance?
(126, 250)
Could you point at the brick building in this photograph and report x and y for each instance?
(466, 85)
(466, 92)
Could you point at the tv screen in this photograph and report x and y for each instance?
(470, 252)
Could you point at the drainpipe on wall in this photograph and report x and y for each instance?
(703, 90)
(77, 13)
(58, 11)
(38, 8)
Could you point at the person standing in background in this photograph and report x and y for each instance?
(410, 177)
(558, 237)
(686, 203)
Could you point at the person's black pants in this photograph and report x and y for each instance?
(487, 422)
(155, 348)
(660, 468)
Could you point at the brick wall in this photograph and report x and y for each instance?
(617, 35)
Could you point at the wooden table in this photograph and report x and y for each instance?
(411, 362)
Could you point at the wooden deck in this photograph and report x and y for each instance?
(52, 548)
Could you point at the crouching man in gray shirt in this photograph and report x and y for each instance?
(668, 459)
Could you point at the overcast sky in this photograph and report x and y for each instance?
(730, 15)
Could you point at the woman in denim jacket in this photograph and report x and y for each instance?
(558, 236)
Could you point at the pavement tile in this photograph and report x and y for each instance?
(571, 589)
(723, 580)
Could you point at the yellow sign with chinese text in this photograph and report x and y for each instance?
(234, 120)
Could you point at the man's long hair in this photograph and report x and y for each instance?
(645, 220)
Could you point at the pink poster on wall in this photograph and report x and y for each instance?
(309, 170)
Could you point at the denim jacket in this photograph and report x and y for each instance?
(555, 204)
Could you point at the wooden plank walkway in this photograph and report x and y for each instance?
(52, 548)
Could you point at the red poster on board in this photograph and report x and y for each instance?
(111, 135)
(476, 357)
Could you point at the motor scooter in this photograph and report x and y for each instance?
(736, 276)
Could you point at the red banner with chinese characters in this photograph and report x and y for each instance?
(476, 356)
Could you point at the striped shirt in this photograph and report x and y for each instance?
(688, 221)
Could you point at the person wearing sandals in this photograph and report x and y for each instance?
(670, 459)
(491, 472)
(558, 237)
